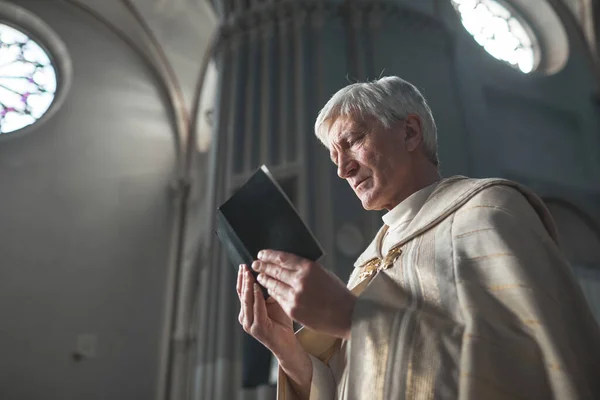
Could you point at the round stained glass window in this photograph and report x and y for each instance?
(499, 31)
(27, 80)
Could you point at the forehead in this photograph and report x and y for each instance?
(344, 126)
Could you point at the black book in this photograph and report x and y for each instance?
(260, 216)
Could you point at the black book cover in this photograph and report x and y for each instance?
(260, 216)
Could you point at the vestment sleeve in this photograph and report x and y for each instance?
(529, 331)
(521, 329)
(322, 386)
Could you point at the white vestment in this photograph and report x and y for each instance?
(466, 296)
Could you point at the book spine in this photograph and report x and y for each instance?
(236, 251)
(233, 245)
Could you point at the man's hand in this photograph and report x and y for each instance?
(307, 292)
(264, 320)
(268, 323)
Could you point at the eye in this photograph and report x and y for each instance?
(355, 141)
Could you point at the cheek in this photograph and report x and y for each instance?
(380, 166)
(368, 159)
(375, 164)
(383, 172)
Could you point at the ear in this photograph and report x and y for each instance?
(414, 132)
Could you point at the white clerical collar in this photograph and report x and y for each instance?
(407, 209)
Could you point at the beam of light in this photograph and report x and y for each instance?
(501, 34)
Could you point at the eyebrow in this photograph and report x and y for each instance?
(350, 133)
(345, 135)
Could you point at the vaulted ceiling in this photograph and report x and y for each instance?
(183, 27)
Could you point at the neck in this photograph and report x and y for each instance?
(429, 174)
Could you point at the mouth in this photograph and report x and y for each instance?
(360, 183)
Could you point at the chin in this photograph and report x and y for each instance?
(371, 201)
(373, 208)
(370, 204)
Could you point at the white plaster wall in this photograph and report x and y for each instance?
(85, 216)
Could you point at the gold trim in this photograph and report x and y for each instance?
(377, 264)
(499, 288)
(369, 268)
(462, 235)
(391, 257)
(488, 256)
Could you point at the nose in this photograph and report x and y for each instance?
(347, 167)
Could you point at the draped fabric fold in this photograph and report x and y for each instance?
(481, 304)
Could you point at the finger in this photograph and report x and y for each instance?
(260, 307)
(276, 288)
(240, 292)
(278, 272)
(240, 281)
(248, 300)
(279, 297)
(286, 260)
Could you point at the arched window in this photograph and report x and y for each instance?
(27, 80)
(500, 31)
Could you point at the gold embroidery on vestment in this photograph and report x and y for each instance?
(489, 256)
(425, 271)
(409, 381)
(425, 361)
(377, 264)
(462, 235)
(499, 288)
(463, 210)
(555, 366)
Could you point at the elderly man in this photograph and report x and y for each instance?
(463, 293)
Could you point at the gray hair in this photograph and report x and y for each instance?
(388, 100)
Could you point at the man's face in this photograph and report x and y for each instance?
(376, 162)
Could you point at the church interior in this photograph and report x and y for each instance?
(125, 123)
